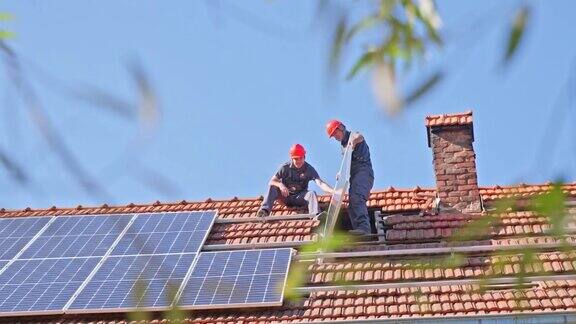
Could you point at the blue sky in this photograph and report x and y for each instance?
(238, 83)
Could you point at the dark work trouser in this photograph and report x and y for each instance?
(299, 199)
(361, 183)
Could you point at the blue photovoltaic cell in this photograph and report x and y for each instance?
(237, 279)
(134, 281)
(42, 285)
(15, 233)
(166, 233)
(77, 236)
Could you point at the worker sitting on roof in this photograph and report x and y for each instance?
(290, 184)
(361, 175)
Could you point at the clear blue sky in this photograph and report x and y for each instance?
(239, 82)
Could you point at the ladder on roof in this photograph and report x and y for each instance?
(340, 188)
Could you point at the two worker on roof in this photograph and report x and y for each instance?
(290, 183)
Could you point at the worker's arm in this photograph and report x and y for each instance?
(274, 181)
(356, 138)
(324, 186)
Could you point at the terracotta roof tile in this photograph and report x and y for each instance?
(402, 232)
(449, 119)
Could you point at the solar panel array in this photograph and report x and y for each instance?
(116, 263)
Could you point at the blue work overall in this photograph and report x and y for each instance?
(361, 182)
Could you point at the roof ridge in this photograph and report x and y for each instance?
(220, 202)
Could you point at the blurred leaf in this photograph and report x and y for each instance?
(175, 313)
(4, 35)
(6, 16)
(296, 278)
(102, 98)
(516, 33)
(552, 206)
(425, 87)
(386, 7)
(476, 229)
(13, 168)
(148, 108)
(337, 45)
(368, 59)
(139, 316)
(366, 23)
(428, 14)
(139, 293)
(385, 88)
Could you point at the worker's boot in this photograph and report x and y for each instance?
(262, 213)
(357, 232)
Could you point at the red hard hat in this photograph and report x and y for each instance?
(332, 126)
(297, 150)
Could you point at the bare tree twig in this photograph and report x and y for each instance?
(42, 123)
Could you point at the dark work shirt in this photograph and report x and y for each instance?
(296, 180)
(360, 155)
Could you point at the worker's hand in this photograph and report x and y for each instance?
(284, 190)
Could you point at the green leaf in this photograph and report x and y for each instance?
(516, 33)
(5, 16)
(4, 35)
(552, 206)
(365, 61)
(363, 24)
(476, 229)
(425, 87)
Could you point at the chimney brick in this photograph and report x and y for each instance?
(454, 160)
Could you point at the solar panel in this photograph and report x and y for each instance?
(77, 236)
(166, 233)
(99, 263)
(15, 233)
(237, 279)
(42, 286)
(126, 282)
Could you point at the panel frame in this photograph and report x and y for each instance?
(240, 305)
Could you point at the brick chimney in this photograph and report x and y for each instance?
(451, 137)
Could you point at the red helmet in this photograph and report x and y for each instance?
(332, 126)
(297, 150)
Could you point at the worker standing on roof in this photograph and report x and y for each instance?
(361, 175)
(290, 184)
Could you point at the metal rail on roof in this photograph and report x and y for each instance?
(536, 316)
(427, 251)
(250, 246)
(434, 283)
(264, 219)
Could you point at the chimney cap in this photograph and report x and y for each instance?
(448, 120)
(463, 118)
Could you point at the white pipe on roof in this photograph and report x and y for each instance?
(264, 219)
